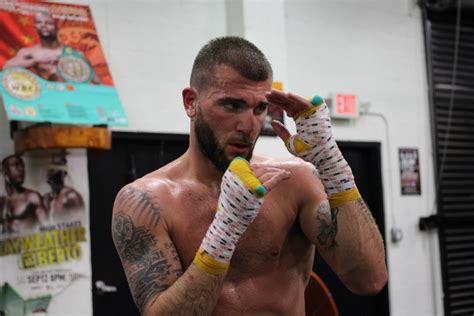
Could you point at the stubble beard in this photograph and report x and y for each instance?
(209, 145)
(49, 38)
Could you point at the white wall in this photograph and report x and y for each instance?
(371, 48)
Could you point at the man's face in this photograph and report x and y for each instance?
(55, 178)
(14, 170)
(230, 115)
(45, 26)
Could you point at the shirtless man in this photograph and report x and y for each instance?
(24, 207)
(63, 202)
(43, 58)
(254, 254)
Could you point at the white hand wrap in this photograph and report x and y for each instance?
(237, 208)
(314, 143)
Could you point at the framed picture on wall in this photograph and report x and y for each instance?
(409, 171)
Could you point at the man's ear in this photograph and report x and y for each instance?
(190, 101)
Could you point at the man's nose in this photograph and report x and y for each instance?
(247, 122)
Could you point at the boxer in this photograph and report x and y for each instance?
(223, 231)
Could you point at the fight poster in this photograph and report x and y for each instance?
(44, 237)
(52, 66)
(409, 171)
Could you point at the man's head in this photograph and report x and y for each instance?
(226, 100)
(232, 51)
(13, 169)
(55, 178)
(46, 26)
(57, 170)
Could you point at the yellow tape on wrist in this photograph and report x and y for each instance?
(208, 264)
(307, 112)
(337, 199)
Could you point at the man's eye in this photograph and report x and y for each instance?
(233, 106)
(261, 108)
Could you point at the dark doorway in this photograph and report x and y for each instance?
(132, 156)
(365, 161)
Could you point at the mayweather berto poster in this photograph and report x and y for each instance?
(44, 236)
(52, 66)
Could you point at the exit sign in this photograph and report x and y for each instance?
(344, 105)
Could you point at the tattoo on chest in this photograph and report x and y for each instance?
(327, 219)
(147, 268)
(135, 199)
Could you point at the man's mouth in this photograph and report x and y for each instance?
(239, 148)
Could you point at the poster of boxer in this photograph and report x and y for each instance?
(44, 236)
(52, 66)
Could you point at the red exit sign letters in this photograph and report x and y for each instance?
(344, 105)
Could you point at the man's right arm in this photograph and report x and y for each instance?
(152, 264)
(150, 259)
(24, 58)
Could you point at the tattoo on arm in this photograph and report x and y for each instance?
(135, 199)
(327, 219)
(174, 253)
(362, 206)
(147, 269)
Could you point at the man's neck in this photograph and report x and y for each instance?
(12, 188)
(50, 43)
(202, 169)
(55, 191)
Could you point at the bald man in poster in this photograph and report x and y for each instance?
(24, 207)
(44, 59)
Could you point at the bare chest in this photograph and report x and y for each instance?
(46, 56)
(20, 204)
(262, 246)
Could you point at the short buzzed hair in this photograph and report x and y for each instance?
(9, 157)
(4, 165)
(233, 51)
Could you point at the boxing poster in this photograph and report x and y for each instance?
(44, 238)
(52, 66)
(409, 171)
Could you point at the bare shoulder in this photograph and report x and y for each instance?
(140, 200)
(304, 176)
(27, 50)
(143, 199)
(33, 196)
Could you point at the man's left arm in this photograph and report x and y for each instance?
(342, 226)
(348, 239)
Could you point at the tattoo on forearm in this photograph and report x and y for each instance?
(135, 199)
(362, 206)
(147, 268)
(327, 219)
(174, 253)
